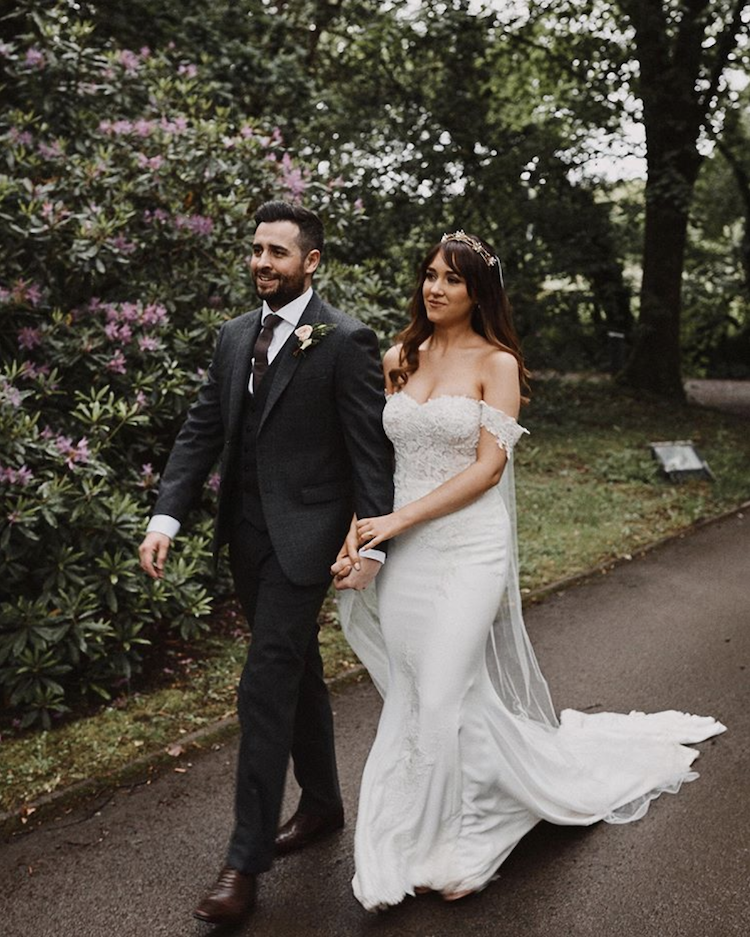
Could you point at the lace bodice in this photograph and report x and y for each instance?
(436, 440)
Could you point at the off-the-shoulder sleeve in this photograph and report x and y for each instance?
(504, 428)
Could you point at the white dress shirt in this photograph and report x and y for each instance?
(290, 315)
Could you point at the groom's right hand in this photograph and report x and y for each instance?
(153, 554)
(358, 578)
(348, 558)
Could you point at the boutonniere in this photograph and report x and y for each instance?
(309, 335)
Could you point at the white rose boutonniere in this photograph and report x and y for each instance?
(309, 335)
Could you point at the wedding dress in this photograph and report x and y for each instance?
(469, 754)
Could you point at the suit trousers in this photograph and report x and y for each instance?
(283, 701)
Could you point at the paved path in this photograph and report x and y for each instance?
(668, 630)
(731, 396)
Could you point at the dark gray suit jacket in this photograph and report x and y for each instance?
(321, 450)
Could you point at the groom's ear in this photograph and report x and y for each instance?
(312, 261)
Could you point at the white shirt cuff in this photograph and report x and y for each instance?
(378, 555)
(164, 524)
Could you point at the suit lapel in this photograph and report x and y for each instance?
(241, 367)
(288, 362)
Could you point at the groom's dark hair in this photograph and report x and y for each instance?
(310, 226)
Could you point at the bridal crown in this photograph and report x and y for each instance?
(473, 243)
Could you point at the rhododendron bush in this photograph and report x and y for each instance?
(126, 202)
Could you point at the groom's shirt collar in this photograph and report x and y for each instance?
(292, 312)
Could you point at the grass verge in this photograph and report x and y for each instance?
(588, 493)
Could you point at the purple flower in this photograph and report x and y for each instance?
(201, 225)
(116, 363)
(23, 293)
(29, 338)
(129, 312)
(13, 518)
(144, 128)
(189, 71)
(148, 476)
(120, 127)
(33, 294)
(129, 60)
(158, 214)
(34, 58)
(176, 126)
(73, 453)
(147, 343)
(141, 399)
(22, 476)
(21, 137)
(154, 314)
(29, 370)
(292, 177)
(122, 244)
(214, 481)
(9, 393)
(153, 162)
(50, 151)
(118, 333)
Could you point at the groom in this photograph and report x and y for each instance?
(292, 404)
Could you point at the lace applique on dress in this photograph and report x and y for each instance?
(503, 427)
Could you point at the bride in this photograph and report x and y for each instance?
(469, 754)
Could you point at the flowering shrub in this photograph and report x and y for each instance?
(126, 202)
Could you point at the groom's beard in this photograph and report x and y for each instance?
(282, 289)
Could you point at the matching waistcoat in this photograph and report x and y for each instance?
(252, 508)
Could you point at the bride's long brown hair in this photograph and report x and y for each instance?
(491, 317)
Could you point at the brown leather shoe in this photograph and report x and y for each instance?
(305, 828)
(231, 898)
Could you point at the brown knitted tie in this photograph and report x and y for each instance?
(260, 352)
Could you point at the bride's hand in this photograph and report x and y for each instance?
(372, 531)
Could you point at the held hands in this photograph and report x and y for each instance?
(352, 571)
(153, 553)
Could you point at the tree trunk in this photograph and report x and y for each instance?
(655, 361)
(679, 80)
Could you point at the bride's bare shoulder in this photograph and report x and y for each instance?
(501, 385)
(498, 364)
(392, 356)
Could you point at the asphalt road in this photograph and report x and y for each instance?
(668, 630)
